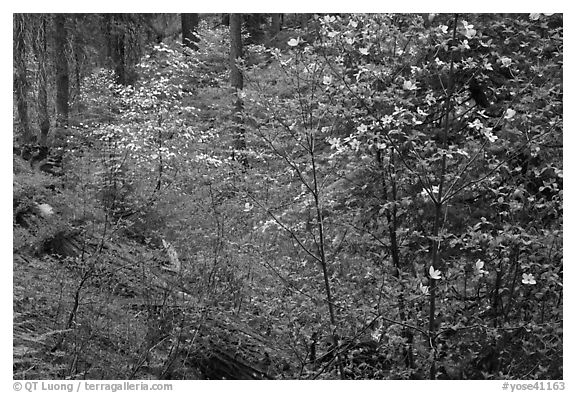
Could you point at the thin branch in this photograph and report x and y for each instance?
(288, 230)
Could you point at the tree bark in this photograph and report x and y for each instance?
(322, 251)
(275, 27)
(79, 56)
(62, 76)
(390, 194)
(438, 210)
(226, 19)
(40, 52)
(189, 30)
(237, 82)
(116, 47)
(236, 78)
(253, 26)
(20, 80)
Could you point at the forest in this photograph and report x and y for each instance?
(287, 196)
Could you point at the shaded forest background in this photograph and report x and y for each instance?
(287, 196)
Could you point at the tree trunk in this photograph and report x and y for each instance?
(236, 78)
(116, 47)
(321, 250)
(275, 28)
(390, 194)
(79, 56)
(226, 19)
(62, 77)
(237, 82)
(40, 52)
(77, 72)
(253, 26)
(438, 210)
(20, 80)
(189, 31)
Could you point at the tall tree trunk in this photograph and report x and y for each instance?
(117, 47)
(276, 25)
(77, 72)
(78, 51)
(62, 77)
(275, 28)
(237, 82)
(20, 79)
(438, 210)
(253, 26)
(189, 30)
(226, 19)
(236, 78)
(40, 52)
(390, 194)
(321, 250)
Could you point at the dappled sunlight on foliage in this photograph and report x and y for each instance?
(382, 199)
